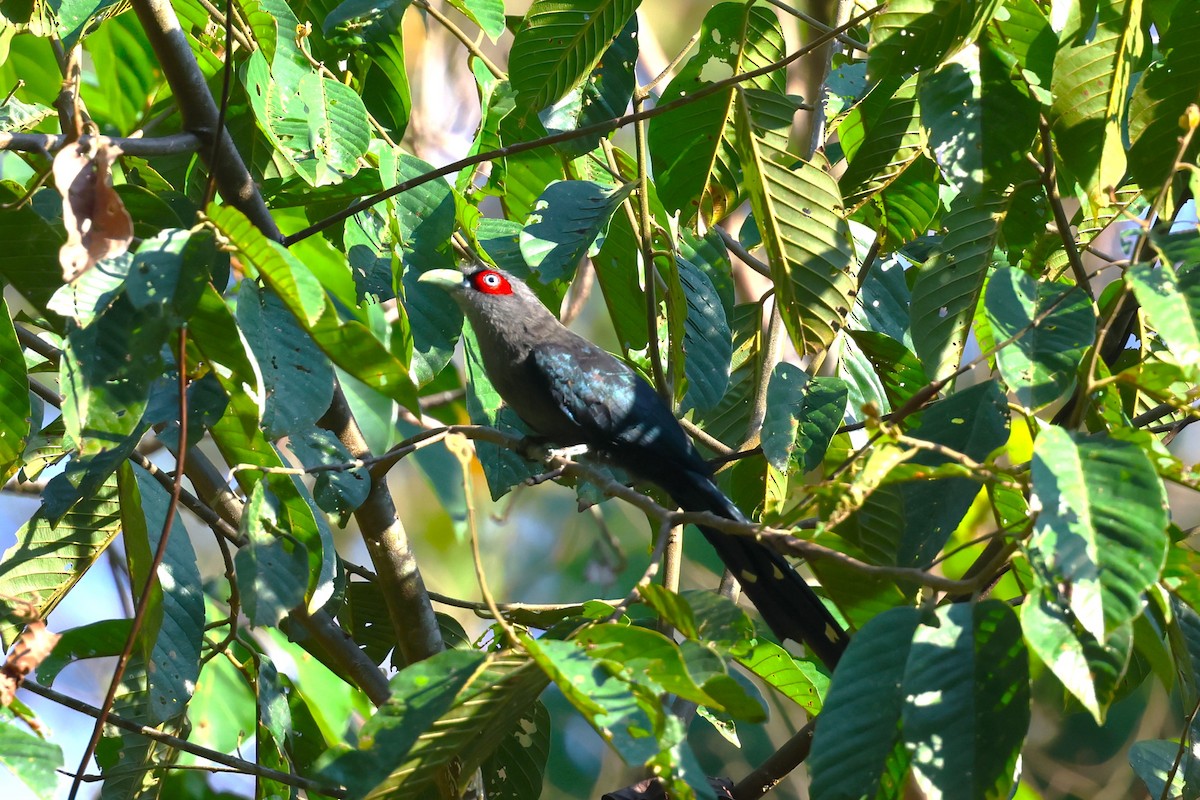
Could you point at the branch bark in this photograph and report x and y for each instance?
(409, 608)
(200, 114)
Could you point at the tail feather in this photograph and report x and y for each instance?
(785, 600)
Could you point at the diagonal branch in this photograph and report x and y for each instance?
(200, 114)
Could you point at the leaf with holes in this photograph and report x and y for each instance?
(693, 148)
(799, 214)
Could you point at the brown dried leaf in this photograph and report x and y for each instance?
(98, 226)
(30, 649)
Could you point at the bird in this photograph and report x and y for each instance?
(570, 392)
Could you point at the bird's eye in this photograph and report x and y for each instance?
(491, 282)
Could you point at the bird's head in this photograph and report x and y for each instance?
(487, 295)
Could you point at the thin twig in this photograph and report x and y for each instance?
(816, 23)
(462, 37)
(770, 357)
(1050, 183)
(1181, 752)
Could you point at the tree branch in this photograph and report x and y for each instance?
(200, 114)
(417, 631)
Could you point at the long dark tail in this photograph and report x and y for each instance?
(783, 598)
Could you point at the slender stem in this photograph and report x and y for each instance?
(1050, 182)
(758, 408)
(459, 34)
(1182, 752)
(735, 247)
(645, 228)
(667, 71)
(210, 185)
(816, 23)
(768, 774)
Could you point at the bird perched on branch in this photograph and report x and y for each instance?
(572, 392)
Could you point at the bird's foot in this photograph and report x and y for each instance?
(569, 452)
(536, 448)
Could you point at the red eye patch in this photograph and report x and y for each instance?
(489, 281)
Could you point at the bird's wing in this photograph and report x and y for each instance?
(594, 389)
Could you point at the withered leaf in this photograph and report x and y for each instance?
(98, 226)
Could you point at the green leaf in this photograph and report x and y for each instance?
(296, 377)
(222, 707)
(424, 222)
(131, 764)
(608, 703)
(966, 710)
(949, 285)
(1024, 40)
(886, 136)
(94, 640)
(355, 22)
(895, 365)
(1162, 94)
(29, 261)
(800, 681)
(559, 44)
(1154, 760)
(16, 116)
(1055, 323)
(707, 341)
(129, 75)
(916, 34)
(214, 331)
(1173, 305)
(799, 215)
(1102, 526)
(175, 639)
(973, 422)
(860, 721)
(650, 659)
(487, 14)
(568, 217)
(803, 413)
(420, 694)
(48, 560)
(693, 148)
(14, 398)
(319, 124)
(514, 771)
(1089, 669)
(349, 344)
(954, 690)
(603, 96)
(1091, 90)
(31, 761)
(272, 568)
(336, 491)
(484, 715)
(106, 372)
(169, 273)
